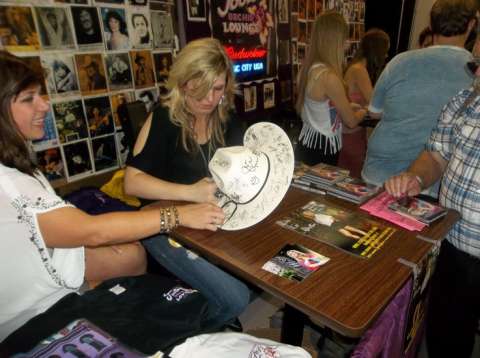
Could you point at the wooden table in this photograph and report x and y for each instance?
(347, 294)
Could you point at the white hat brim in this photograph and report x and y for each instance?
(270, 139)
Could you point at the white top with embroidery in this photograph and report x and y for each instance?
(320, 118)
(32, 276)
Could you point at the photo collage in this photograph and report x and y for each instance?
(303, 15)
(97, 55)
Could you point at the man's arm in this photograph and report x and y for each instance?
(424, 171)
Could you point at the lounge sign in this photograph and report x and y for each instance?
(244, 27)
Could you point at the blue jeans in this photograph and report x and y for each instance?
(227, 296)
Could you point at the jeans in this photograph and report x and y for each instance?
(227, 296)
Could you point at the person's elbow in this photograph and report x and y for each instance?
(130, 182)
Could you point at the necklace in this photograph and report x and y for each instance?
(205, 160)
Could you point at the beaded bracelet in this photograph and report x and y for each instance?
(177, 217)
(163, 226)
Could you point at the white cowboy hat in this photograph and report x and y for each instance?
(253, 178)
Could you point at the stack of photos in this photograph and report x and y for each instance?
(418, 209)
(96, 55)
(334, 181)
(353, 232)
(295, 262)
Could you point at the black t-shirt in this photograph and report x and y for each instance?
(164, 157)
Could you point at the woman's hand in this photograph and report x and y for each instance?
(201, 216)
(203, 191)
(404, 184)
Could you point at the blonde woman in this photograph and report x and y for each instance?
(170, 161)
(322, 101)
(360, 77)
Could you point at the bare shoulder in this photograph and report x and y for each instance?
(356, 69)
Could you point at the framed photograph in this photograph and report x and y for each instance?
(119, 72)
(283, 12)
(91, 73)
(196, 10)
(163, 33)
(104, 152)
(79, 162)
(118, 102)
(50, 162)
(55, 28)
(62, 75)
(17, 29)
(268, 95)
(99, 116)
(87, 26)
(142, 68)
(115, 29)
(70, 121)
(149, 97)
(140, 30)
(250, 98)
(50, 138)
(163, 61)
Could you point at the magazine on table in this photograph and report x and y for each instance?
(355, 190)
(295, 262)
(353, 232)
(417, 209)
(325, 173)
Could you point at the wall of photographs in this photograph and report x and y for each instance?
(303, 16)
(281, 27)
(97, 54)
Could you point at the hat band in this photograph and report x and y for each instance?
(253, 198)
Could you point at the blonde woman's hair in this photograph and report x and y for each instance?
(201, 61)
(329, 34)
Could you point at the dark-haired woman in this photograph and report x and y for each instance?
(360, 77)
(116, 35)
(48, 247)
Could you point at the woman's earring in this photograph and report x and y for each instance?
(221, 100)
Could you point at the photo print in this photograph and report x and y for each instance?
(149, 97)
(99, 116)
(87, 26)
(163, 62)
(311, 9)
(283, 11)
(115, 29)
(50, 138)
(268, 95)
(302, 9)
(55, 28)
(17, 29)
(294, 26)
(196, 10)
(142, 68)
(70, 121)
(50, 163)
(250, 98)
(104, 153)
(119, 109)
(122, 147)
(119, 71)
(295, 6)
(91, 73)
(79, 163)
(140, 31)
(294, 52)
(162, 27)
(62, 76)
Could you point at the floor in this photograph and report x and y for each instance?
(261, 319)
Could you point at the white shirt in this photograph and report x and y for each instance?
(32, 276)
